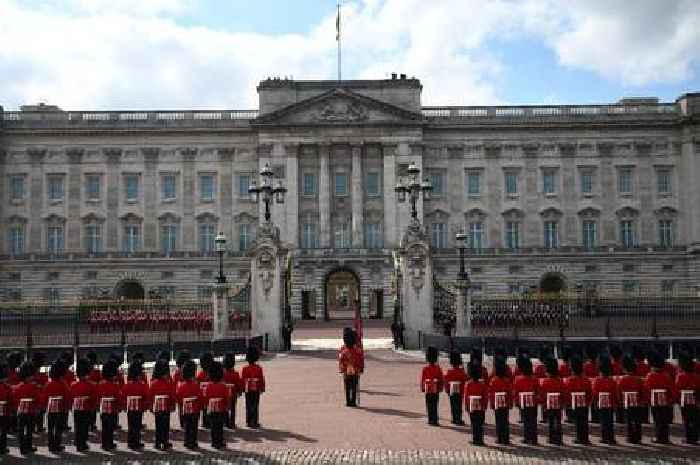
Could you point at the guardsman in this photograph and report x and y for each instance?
(455, 378)
(203, 379)
(616, 366)
(630, 391)
(162, 393)
(14, 360)
(58, 401)
(658, 388)
(253, 380)
(564, 373)
(605, 398)
(350, 366)
(500, 394)
(643, 370)
(180, 360)
(83, 395)
(233, 382)
(109, 401)
(476, 395)
(25, 396)
(136, 400)
(189, 400)
(525, 392)
(94, 377)
(540, 373)
(216, 397)
(477, 356)
(590, 371)
(41, 379)
(578, 389)
(431, 383)
(5, 407)
(688, 388)
(552, 400)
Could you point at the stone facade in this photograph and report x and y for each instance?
(599, 195)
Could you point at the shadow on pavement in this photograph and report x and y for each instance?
(269, 434)
(391, 412)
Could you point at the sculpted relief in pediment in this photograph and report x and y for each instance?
(340, 110)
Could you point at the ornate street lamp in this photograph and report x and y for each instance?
(412, 188)
(463, 283)
(267, 191)
(220, 242)
(462, 239)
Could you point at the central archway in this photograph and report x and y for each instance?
(341, 290)
(552, 282)
(129, 290)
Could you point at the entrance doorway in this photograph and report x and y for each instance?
(376, 304)
(129, 290)
(308, 307)
(342, 291)
(552, 282)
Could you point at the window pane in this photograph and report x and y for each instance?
(55, 188)
(511, 183)
(439, 235)
(476, 235)
(206, 186)
(372, 184)
(243, 185)
(16, 239)
(625, 181)
(309, 184)
(586, 183)
(168, 238)
(512, 235)
(132, 187)
(473, 183)
(93, 187)
(548, 182)
(245, 236)
(169, 186)
(550, 235)
(54, 240)
(665, 233)
(341, 184)
(438, 182)
(308, 237)
(589, 235)
(93, 238)
(132, 238)
(17, 187)
(373, 236)
(206, 237)
(627, 233)
(663, 182)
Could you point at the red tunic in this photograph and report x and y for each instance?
(163, 387)
(13, 378)
(5, 399)
(431, 379)
(590, 370)
(476, 396)
(642, 368)
(455, 377)
(687, 388)
(86, 392)
(630, 387)
(578, 384)
(659, 389)
(135, 390)
(528, 387)
(616, 367)
(95, 376)
(59, 389)
(69, 377)
(253, 378)
(216, 397)
(501, 385)
(109, 389)
(552, 393)
(670, 369)
(233, 382)
(26, 390)
(564, 370)
(350, 361)
(186, 390)
(605, 392)
(41, 379)
(540, 371)
(177, 377)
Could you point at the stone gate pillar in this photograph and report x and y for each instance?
(266, 292)
(416, 284)
(220, 310)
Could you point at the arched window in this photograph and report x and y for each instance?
(92, 233)
(476, 229)
(627, 218)
(550, 225)
(666, 226)
(589, 228)
(16, 235)
(206, 232)
(169, 233)
(55, 234)
(131, 233)
(512, 220)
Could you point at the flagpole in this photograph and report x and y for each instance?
(339, 48)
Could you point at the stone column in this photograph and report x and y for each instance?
(113, 156)
(357, 198)
(324, 196)
(464, 312)
(391, 233)
(150, 199)
(225, 197)
(219, 300)
(291, 200)
(74, 198)
(36, 197)
(646, 192)
(3, 193)
(189, 194)
(416, 285)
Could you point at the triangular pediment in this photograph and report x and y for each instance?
(339, 107)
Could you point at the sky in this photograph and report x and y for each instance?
(199, 54)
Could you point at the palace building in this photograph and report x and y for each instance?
(128, 203)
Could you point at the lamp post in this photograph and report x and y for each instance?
(413, 188)
(267, 191)
(220, 242)
(463, 283)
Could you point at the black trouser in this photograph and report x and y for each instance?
(231, 414)
(530, 425)
(477, 420)
(620, 415)
(81, 424)
(662, 418)
(633, 415)
(55, 424)
(134, 420)
(39, 421)
(109, 422)
(595, 414)
(189, 423)
(4, 424)
(691, 418)
(92, 421)
(581, 421)
(502, 427)
(216, 421)
(350, 382)
(607, 425)
(252, 403)
(456, 408)
(431, 405)
(554, 421)
(25, 428)
(205, 419)
(569, 415)
(162, 428)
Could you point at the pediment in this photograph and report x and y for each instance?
(339, 107)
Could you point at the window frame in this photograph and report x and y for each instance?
(163, 193)
(472, 174)
(127, 195)
(585, 234)
(304, 191)
(51, 239)
(514, 176)
(344, 175)
(378, 191)
(93, 180)
(131, 243)
(668, 184)
(551, 234)
(512, 230)
(625, 181)
(93, 242)
(170, 239)
(53, 180)
(438, 235)
(21, 179)
(200, 180)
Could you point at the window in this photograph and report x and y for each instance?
(55, 239)
(131, 187)
(243, 185)
(16, 239)
(590, 236)
(663, 182)
(168, 183)
(666, 233)
(207, 233)
(373, 236)
(132, 238)
(476, 235)
(308, 236)
(586, 183)
(93, 238)
(17, 187)
(372, 184)
(548, 182)
(55, 188)
(438, 182)
(512, 235)
(439, 235)
(92, 187)
(511, 183)
(309, 187)
(245, 236)
(627, 236)
(343, 236)
(52, 295)
(473, 183)
(551, 236)
(630, 287)
(341, 184)
(206, 187)
(168, 238)
(624, 181)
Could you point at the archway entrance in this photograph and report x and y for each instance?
(129, 290)
(342, 290)
(552, 282)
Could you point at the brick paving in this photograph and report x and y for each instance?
(305, 422)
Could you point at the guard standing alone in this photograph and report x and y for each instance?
(350, 362)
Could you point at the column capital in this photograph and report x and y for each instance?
(75, 154)
(113, 155)
(150, 154)
(36, 155)
(264, 150)
(292, 148)
(188, 154)
(226, 153)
